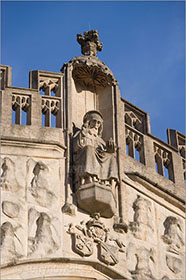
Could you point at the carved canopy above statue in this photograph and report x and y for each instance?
(89, 71)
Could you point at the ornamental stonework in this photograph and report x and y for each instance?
(87, 192)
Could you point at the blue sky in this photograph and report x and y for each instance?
(143, 45)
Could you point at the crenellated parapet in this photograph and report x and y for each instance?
(153, 157)
(5, 76)
(30, 113)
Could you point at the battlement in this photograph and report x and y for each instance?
(39, 114)
(155, 155)
(31, 113)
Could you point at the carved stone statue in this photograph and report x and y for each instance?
(40, 183)
(95, 160)
(143, 270)
(96, 172)
(8, 177)
(43, 243)
(89, 42)
(173, 234)
(143, 223)
(8, 247)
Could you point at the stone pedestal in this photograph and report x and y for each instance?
(94, 197)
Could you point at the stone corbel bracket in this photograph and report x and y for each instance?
(89, 71)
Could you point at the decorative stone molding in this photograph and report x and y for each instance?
(133, 120)
(89, 42)
(142, 226)
(48, 85)
(46, 81)
(42, 242)
(174, 264)
(44, 169)
(143, 270)
(22, 101)
(94, 231)
(8, 177)
(163, 158)
(141, 261)
(173, 234)
(39, 186)
(10, 209)
(163, 154)
(90, 72)
(136, 118)
(9, 250)
(134, 142)
(51, 105)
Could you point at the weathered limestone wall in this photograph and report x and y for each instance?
(31, 199)
(157, 230)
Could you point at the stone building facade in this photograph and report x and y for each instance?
(87, 192)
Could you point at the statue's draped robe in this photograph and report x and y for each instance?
(91, 157)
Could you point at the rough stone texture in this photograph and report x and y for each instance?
(61, 218)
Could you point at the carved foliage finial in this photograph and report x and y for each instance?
(89, 42)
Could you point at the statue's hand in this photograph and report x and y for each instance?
(84, 131)
(111, 147)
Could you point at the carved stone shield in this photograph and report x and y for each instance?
(83, 245)
(108, 253)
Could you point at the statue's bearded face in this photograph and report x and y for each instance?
(95, 124)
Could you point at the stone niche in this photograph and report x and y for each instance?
(91, 89)
(92, 85)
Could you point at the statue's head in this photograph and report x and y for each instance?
(94, 120)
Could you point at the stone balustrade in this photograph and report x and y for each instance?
(30, 113)
(150, 157)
